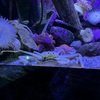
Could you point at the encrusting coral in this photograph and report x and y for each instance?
(65, 49)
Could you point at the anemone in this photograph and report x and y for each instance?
(86, 35)
(7, 33)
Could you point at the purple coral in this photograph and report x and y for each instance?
(45, 41)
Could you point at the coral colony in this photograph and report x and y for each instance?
(56, 43)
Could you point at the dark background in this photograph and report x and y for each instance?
(45, 83)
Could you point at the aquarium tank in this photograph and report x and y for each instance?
(50, 33)
(49, 49)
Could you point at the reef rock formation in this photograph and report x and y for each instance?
(62, 35)
(90, 49)
(67, 12)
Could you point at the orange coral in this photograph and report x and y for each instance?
(64, 49)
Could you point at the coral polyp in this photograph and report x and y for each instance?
(93, 17)
(86, 35)
(7, 33)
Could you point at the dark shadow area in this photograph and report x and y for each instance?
(45, 83)
(5, 9)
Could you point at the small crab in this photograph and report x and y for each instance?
(66, 59)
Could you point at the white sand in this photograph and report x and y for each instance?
(92, 62)
(89, 63)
